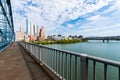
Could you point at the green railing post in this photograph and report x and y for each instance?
(84, 67)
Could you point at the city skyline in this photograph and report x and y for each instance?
(87, 18)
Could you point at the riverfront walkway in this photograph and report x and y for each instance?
(16, 64)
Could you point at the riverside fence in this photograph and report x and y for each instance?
(69, 65)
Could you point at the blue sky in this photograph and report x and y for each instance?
(70, 17)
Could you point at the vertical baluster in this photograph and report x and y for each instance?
(48, 52)
(39, 53)
(53, 61)
(47, 56)
(66, 62)
(59, 64)
(32, 49)
(48, 59)
(62, 67)
(28, 47)
(94, 70)
(119, 73)
(43, 52)
(70, 66)
(84, 67)
(36, 51)
(51, 58)
(40, 49)
(105, 71)
(56, 63)
(76, 68)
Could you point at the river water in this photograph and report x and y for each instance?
(106, 50)
(109, 50)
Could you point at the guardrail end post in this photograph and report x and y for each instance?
(84, 67)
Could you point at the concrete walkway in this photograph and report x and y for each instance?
(16, 64)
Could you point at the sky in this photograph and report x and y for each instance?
(69, 17)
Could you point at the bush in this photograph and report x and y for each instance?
(63, 41)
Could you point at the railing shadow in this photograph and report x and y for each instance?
(35, 70)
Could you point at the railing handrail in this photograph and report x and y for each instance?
(61, 50)
(106, 61)
(44, 54)
(99, 59)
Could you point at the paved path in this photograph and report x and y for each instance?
(16, 64)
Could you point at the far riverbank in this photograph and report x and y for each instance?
(63, 41)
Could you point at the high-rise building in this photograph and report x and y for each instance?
(35, 30)
(22, 29)
(26, 26)
(20, 35)
(42, 34)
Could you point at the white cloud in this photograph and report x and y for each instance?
(94, 18)
(52, 13)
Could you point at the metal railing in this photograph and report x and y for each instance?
(74, 66)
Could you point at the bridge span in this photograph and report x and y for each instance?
(7, 34)
(107, 38)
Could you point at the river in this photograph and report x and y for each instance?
(106, 50)
(109, 50)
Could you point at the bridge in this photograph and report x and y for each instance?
(106, 38)
(45, 63)
(27, 61)
(7, 34)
